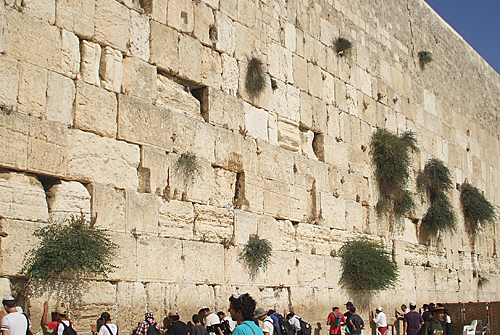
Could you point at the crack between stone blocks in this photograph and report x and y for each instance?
(411, 32)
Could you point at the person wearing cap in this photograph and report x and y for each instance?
(227, 324)
(435, 325)
(380, 320)
(412, 320)
(107, 327)
(427, 314)
(294, 321)
(348, 314)
(267, 322)
(332, 321)
(148, 321)
(211, 321)
(62, 322)
(15, 322)
(355, 322)
(177, 327)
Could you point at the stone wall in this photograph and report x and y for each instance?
(99, 98)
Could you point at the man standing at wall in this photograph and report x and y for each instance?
(380, 320)
(335, 320)
(14, 323)
(267, 322)
(412, 320)
(149, 321)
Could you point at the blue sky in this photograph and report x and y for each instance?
(477, 21)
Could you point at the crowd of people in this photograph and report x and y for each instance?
(244, 319)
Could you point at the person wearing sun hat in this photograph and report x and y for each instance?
(14, 323)
(435, 324)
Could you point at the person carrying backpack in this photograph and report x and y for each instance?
(15, 322)
(148, 326)
(294, 321)
(335, 320)
(267, 323)
(107, 327)
(63, 325)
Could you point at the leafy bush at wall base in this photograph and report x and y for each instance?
(255, 81)
(70, 249)
(256, 255)
(366, 266)
(477, 210)
(435, 181)
(391, 156)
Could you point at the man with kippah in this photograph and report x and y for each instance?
(14, 323)
(380, 320)
(412, 321)
(149, 321)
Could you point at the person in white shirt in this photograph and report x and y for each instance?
(267, 322)
(294, 321)
(107, 327)
(14, 323)
(380, 320)
(211, 320)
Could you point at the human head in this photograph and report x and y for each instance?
(438, 314)
(378, 309)
(403, 307)
(290, 315)
(9, 302)
(105, 317)
(260, 314)
(353, 309)
(431, 306)
(348, 305)
(335, 308)
(221, 315)
(204, 311)
(195, 318)
(241, 307)
(425, 307)
(413, 306)
(173, 316)
(62, 311)
(148, 315)
(271, 312)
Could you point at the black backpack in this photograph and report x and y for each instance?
(152, 330)
(285, 326)
(68, 330)
(28, 331)
(276, 328)
(305, 328)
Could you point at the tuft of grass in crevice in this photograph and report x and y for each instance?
(366, 266)
(255, 81)
(435, 181)
(188, 166)
(477, 210)
(342, 46)
(391, 156)
(256, 255)
(424, 58)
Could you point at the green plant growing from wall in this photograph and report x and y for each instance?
(70, 249)
(255, 81)
(391, 156)
(366, 266)
(477, 210)
(435, 181)
(256, 255)
(341, 46)
(424, 58)
(188, 166)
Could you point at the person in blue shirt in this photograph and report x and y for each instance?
(242, 308)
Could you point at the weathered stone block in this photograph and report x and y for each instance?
(19, 241)
(141, 213)
(174, 97)
(223, 189)
(14, 129)
(76, 16)
(290, 37)
(277, 204)
(226, 34)
(235, 153)
(112, 24)
(60, 97)
(22, 197)
(300, 73)
(95, 110)
(196, 268)
(256, 122)
(313, 239)
(32, 90)
(190, 53)
(282, 171)
(213, 224)
(224, 110)
(157, 9)
(211, 68)
(262, 100)
(111, 69)
(168, 255)
(108, 207)
(91, 59)
(230, 74)
(333, 211)
(70, 60)
(41, 9)
(138, 45)
(204, 21)
(166, 58)
(245, 224)
(131, 302)
(176, 219)
(306, 144)
(9, 76)
(180, 15)
(139, 79)
(280, 63)
(68, 198)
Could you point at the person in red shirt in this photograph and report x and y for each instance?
(332, 320)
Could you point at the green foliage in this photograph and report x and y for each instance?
(255, 81)
(342, 45)
(436, 182)
(477, 210)
(424, 58)
(70, 249)
(391, 156)
(187, 165)
(366, 266)
(256, 254)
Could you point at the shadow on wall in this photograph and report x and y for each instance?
(318, 329)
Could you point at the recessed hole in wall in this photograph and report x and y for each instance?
(201, 94)
(319, 146)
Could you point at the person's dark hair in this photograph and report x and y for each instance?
(403, 305)
(9, 303)
(290, 315)
(105, 316)
(431, 305)
(245, 304)
(270, 312)
(412, 308)
(425, 306)
(174, 317)
(353, 309)
(335, 308)
(204, 310)
(195, 318)
(221, 313)
(439, 304)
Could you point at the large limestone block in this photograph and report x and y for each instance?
(198, 269)
(313, 239)
(34, 41)
(224, 110)
(167, 253)
(131, 302)
(230, 74)
(68, 198)
(125, 258)
(32, 89)
(22, 197)
(60, 98)
(280, 63)
(277, 204)
(76, 16)
(157, 9)
(19, 241)
(213, 224)
(309, 173)
(138, 79)
(141, 213)
(91, 59)
(174, 97)
(270, 153)
(235, 153)
(211, 68)
(302, 204)
(108, 207)
(256, 122)
(307, 144)
(111, 69)
(176, 219)
(245, 225)
(166, 58)
(40, 9)
(312, 269)
(156, 164)
(92, 158)
(95, 110)
(204, 20)
(138, 45)
(263, 100)
(235, 270)
(112, 24)
(300, 73)
(9, 76)
(180, 15)
(190, 52)
(281, 233)
(253, 199)
(333, 211)
(5, 287)
(14, 129)
(290, 37)
(226, 34)
(223, 190)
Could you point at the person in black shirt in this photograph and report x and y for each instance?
(348, 314)
(177, 327)
(355, 322)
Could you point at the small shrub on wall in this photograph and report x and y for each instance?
(256, 255)
(436, 182)
(366, 266)
(188, 166)
(391, 156)
(342, 46)
(477, 210)
(255, 81)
